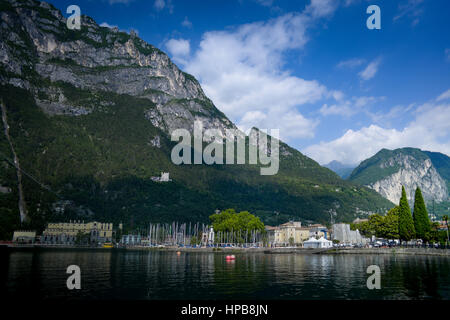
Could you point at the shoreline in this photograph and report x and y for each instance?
(393, 251)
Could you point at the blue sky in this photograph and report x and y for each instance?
(334, 88)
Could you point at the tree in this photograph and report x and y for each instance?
(420, 215)
(364, 228)
(229, 220)
(82, 238)
(405, 221)
(381, 226)
(375, 222)
(291, 241)
(241, 225)
(445, 218)
(389, 225)
(368, 228)
(194, 241)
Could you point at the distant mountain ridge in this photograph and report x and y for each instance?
(388, 170)
(343, 170)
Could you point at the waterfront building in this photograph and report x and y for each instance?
(343, 234)
(22, 236)
(74, 232)
(270, 232)
(317, 231)
(290, 233)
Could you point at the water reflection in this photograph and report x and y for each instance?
(126, 274)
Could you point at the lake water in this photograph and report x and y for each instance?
(156, 275)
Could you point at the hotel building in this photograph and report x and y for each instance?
(77, 232)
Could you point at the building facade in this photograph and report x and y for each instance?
(343, 234)
(77, 232)
(290, 233)
(318, 231)
(22, 236)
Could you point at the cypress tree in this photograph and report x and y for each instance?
(420, 215)
(405, 221)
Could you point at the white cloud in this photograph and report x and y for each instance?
(360, 102)
(387, 118)
(265, 3)
(160, 5)
(370, 70)
(107, 25)
(444, 96)
(241, 70)
(350, 2)
(351, 63)
(430, 130)
(350, 107)
(179, 49)
(321, 8)
(344, 109)
(186, 23)
(411, 9)
(337, 95)
(347, 108)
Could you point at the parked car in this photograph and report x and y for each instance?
(377, 244)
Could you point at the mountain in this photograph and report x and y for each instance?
(343, 170)
(87, 117)
(442, 164)
(388, 170)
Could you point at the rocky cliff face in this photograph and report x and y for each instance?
(35, 41)
(389, 170)
(413, 175)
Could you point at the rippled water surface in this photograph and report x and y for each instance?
(125, 274)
